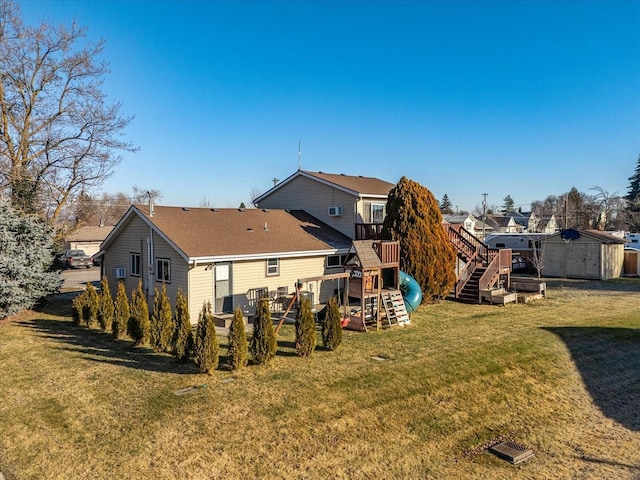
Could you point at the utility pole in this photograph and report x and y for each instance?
(484, 213)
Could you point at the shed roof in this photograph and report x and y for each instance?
(367, 256)
(598, 235)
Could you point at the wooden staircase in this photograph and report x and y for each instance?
(483, 266)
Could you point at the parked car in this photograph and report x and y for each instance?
(76, 259)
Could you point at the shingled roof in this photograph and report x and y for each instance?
(230, 232)
(358, 186)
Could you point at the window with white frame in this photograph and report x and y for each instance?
(163, 270)
(378, 212)
(334, 261)
(273, 266)
(135, 265)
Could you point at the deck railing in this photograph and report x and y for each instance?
(368, 231)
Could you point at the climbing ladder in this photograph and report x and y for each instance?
(394, 308)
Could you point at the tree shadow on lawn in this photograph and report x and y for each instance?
(99, 346)
(608, 360)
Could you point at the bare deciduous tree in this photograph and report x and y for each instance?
(58, 134)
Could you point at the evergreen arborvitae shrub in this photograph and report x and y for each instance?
(107, 309)
(305, 329)
(263, 341)
(332, 326)
(154, 334)
(414, 218)
(77, 307)
(183, 337)
(206, 343)
(238, 346)
(140, 324)
(122, 312)
(91, 306)
(26, 253)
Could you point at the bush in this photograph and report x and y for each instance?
(122, 312)
(77, 306)
(238, 346)
(332, 326)
(140, 325)
(90, 306)
(305, 329)
(162, 328)
(206, 344)
(183, 338)
(263, 341)
(106, 310)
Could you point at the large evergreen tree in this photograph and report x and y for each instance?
(508, 206)
(633, 200)
(26, 253)
(263, 341)
(413, 218)
(162, 327)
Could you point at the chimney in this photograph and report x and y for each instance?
(150, 204)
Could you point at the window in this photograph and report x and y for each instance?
(334, 261)
(135, 264)
(377, 212)
(163, 270)
(273, 266)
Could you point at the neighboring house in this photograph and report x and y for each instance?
(353, 205)
(528, 221)
(220, 255)
(467, 221)
(87, 239)
(547, 225)
(590, 254)
(504, 224)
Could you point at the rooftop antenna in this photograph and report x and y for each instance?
(299, 155)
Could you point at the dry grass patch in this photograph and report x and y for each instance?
(416, 402)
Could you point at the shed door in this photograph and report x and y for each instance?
(630, 263)
(223, 288)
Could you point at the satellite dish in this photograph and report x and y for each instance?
(570, 234)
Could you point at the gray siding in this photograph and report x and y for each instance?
(582, 258)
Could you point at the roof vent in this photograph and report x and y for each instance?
(266, 227)
(185, 209)
(241, 209)
(265, 210)
(249, 229)
(214, 209)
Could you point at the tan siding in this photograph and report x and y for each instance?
(582, 258)
(200, 289)
(133, 239)
(315, 198)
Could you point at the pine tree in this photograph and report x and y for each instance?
(162, 327)
(305, 329)
(263, 341)
(140, 325)
(446, 207)
(26, 253)
(106, 310)
(413, 218)
(509, 205)
(91, 306)
(154, 334)
(122, 312)
(206, 344)
(183, 337)
(332, 326)
(238, 346)
(633, 200)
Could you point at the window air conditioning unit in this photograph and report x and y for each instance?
(120, 272)
(335, 211)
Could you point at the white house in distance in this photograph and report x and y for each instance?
(220, 255)
(353, 205)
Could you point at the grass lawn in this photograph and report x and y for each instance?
(560, 375)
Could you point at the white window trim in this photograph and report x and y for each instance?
(159, 270)
(135, 272)
(271, 273)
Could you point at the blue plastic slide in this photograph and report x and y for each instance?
(411, 291)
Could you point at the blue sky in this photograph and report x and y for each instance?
(469, 97)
